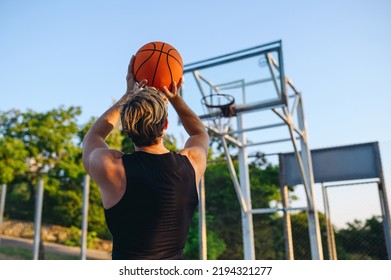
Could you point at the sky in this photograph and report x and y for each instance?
(75, 53)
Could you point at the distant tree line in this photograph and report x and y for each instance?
(48, 145)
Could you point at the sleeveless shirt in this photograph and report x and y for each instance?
(152, 219)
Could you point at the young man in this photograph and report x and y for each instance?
(149, 197)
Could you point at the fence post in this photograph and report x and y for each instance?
(38, 218)
(202, 221)
(2, 206)
(386, 217)
(84, 224)
(329, 226)
(287, 226)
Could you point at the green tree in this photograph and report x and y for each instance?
(215, 245)
(300, 235)
(222, 204)
(12, 159)
(362, 240)
(48, 141)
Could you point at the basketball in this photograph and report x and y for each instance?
(159, 63)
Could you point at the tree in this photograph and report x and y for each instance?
(362, 240)
(47, 140)
(215, 245)
(222, 204)
(12, 159)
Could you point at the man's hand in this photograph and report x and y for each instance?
(131, 84)
(131, 81)
(174, 90)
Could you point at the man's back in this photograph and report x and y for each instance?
(152, 219)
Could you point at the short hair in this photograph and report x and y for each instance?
(144, 116)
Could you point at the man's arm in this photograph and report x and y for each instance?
(96, 135)
(197, 146)
(103, 164)
(94, 140)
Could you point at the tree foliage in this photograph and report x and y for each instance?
(362, 240)
(12, 159)
(46, 140)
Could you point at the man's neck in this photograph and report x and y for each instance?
(153, 149)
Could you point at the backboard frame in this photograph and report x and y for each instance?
(275, 66)
(274, 100)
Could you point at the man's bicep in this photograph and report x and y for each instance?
(91, 145)
(91, 158)
(198, 142)
(197, 155)
(102, 162)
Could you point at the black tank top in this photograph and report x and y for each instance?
(152, 219)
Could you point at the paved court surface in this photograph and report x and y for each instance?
(7, 241)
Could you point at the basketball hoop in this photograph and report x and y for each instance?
(224, 102)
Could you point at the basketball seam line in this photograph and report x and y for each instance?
(169, 66)
(145, 61)
(167, 53)
(157, 64)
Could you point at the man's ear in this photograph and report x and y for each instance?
(165, 125)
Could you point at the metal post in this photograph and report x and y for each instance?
(386, 217)
(234, 177)
(287, 226)
(329, 226)
(333, 245)
(313, 220)
(84, 224)
(2, 206)
(383, 201)
(247, 216)
(38, 218)
(202, 221)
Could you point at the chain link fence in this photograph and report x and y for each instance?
(355, 215)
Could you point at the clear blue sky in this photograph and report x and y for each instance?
(71, 52)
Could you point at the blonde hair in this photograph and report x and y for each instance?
(144, 116)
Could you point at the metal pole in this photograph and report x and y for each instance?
(2, 206)
(329, 226)
(247, 216)
(84, 224)
(333, 245)
(326, 214)
(313, 220)
(202, 222)
(287, 117)
(287, 226)
(38, 218)
(386, 218)
(234, 177)
(383, 201)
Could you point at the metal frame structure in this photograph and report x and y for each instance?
(331, 245)
(384, 207)
(346, 164)
(289, 109)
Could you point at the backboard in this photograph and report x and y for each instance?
(254, 77)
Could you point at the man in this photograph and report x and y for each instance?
(149, 197)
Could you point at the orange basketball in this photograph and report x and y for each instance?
(159, 63)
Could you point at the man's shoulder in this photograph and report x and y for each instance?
(195, 154)
(103, 158)
(104, 153)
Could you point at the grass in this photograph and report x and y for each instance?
(26, 254)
